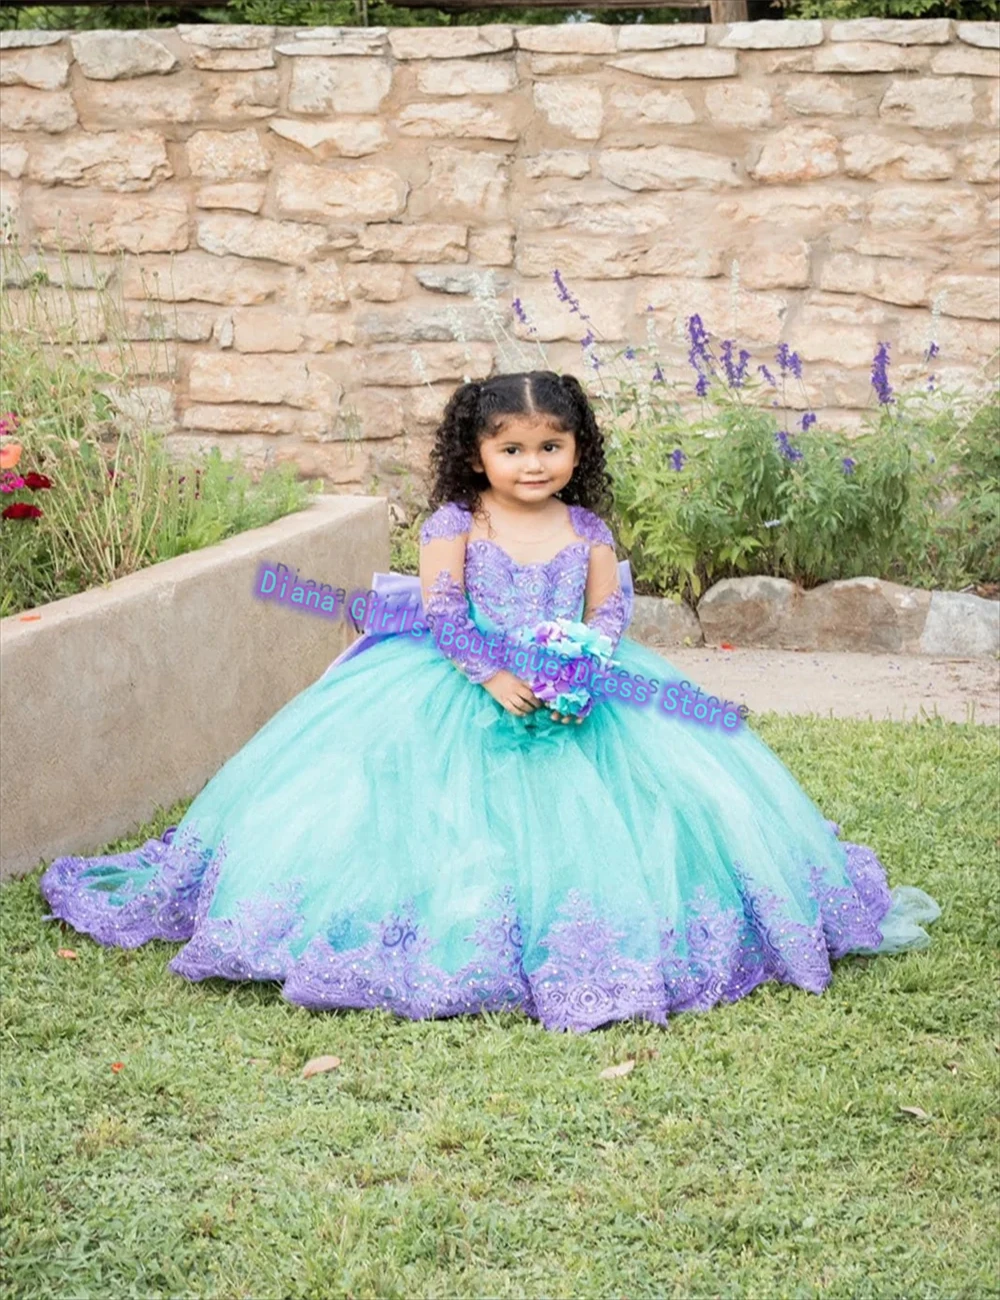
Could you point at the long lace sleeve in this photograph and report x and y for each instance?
(605, 607)
(446, 606)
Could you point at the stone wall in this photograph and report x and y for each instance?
(317, 213)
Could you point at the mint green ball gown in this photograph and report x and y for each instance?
(393, 838)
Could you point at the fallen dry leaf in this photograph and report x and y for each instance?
(915, 1111)
(65, 952)
(29, 618)
(319, 1064)
(616, 1071)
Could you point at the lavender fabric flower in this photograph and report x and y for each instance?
(580, 650)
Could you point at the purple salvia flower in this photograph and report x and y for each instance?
(657, 374)
(587, 339)
(848, 463)
(788, 360)
(785, 447)
(630, 354)
(767, 375)
(519, 310)
(701, 387)
(566, 296)
(932, 352)
(699, 342)
(808, 419)
(880, 374)
(677, 459)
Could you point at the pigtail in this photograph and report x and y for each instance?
(455, 443)
(591, 484)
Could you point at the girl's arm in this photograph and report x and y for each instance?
(604, 605)
(442, 588)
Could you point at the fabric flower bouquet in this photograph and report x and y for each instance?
(579, 651)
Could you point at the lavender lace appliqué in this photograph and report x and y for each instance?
(714, 953)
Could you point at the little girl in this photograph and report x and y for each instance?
(435, 829)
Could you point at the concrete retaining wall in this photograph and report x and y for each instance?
(132, 696)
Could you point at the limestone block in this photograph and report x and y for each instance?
(956, 59)
(238, 417)
(321, 286)
(338, 41)
(381, 414)
(375, 282)
(570, 105)
(13, 158)
(226, 155)
(461, 43)
(796, 154)
(739, 105)
(246, 236)
(348, 137)
(557, 162)
(868, 56)
(355, 85)
(986, 35)
(244, 196)
(933, 212)
(466, 77)
(136, 223)
(465, 280)
(223, 36)
(110, 160)
(393, 366)
(146, 102)
(110, 55)
(267, 378)
(364, 194)
(463, 183)
(147, 321)
(772, 35)
(680, 65)
(36, 66)
(981, 160)
(552, 318)
(232, 60)
(846, 334)
(875, 156)
(659, 36)
(493, 246)
(933, 103)
(817, 208)
(665, 167)
(884, 278)
(413, 243)
(970, 295)
(265, 329)
(244, 94)
(461, 121)
(907, 31)
(199, 277)
(567, 38)
(762, 315)
(655, 106)
(767, 265)
(820, 96)
(421, 324)
(22, 108)
(17, 39)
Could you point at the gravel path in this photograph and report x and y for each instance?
(846, 685)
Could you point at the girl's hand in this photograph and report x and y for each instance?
(565, 717)
(516, 696)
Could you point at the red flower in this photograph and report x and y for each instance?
(37, 481)
(117, 1066)
(21, 510)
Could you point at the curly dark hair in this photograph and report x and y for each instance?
(475, 411)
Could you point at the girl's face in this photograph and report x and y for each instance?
(529, 459)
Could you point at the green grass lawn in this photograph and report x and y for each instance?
(760, 1149)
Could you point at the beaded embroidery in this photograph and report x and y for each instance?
(711, 953)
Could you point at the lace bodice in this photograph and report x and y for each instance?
(505, 595)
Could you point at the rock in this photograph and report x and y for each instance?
(43, 69)
(937, 104)
(376, 282)
(739, 105)
(557, 162)
(148, 102)
(26, 109)
(981, 160)
(874, 156)
(671, 106)
(455, 279)
(393, 366)
(270, 379)
(462, 42)
(772, 35)
(907, 31)
(819, 96)
(956, 60)
(222, 36)
(934, 213)
(665, 167)
(232, 60)
(475, 121)
(961, 624)
(466, 77)
(201, 277)
(415, 243)
(571, 105)
(108, 56)
(970, 295)
(236, 417)
(660, 36)
(364, 194)
(111, 160)
(226, 155)
(13, 159)
(797, 154)
(244, 94)
(265, 329)
(747, 611)
(887, 279)
(337, 41)
(567, 38)
(986, 35)
(420, 325)
(276, 241)
(349, 137)
(656, 620)
(244, 196)
(492, 247)
(16, 39)
(463, 184)
(342, 86)
(680, 65)
(107, 223)
(867, 56)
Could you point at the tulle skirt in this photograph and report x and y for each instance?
(392, 838)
